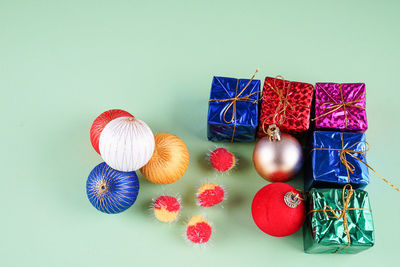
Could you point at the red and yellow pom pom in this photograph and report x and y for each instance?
(210, 194)
(222, 159)
(198, 230)
(166, 208)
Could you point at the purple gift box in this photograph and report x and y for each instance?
(340, 106)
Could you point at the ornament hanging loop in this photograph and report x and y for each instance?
(273, 133)
(292, 199)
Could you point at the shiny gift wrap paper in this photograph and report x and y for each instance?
(326, 170)
(325, 234)
(222, 123)
(286, 104)
(340, 106)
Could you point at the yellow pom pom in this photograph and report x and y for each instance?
(169, 161)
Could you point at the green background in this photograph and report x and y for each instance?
(64, 62)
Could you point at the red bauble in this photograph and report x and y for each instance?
(271, 213)
(101, 121)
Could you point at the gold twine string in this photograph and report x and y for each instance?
(347, 193)
(234, 99)
(348, 165)
(297, 195)
(283, 103)
(333, 106)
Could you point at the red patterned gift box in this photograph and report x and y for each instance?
(286, 104)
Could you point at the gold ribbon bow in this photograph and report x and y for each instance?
(233, 101)
(347, 193)
(350, 152)
(333, 106)
(283, 104)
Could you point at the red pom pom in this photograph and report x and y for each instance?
(222, 160)
(198, 230)
(271, 213)
(199, 233)
(101, 121)
(210, 194)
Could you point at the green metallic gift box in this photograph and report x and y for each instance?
(338, 221)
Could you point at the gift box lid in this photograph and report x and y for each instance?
(341, 106)
(286, 104)
(331, 222)
(222, 106)
(326, 161)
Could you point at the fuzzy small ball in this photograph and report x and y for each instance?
(210, 194)
(166, 208)
(101, 121)
(222, 159)
(198, 230)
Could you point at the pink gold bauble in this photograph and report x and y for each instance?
(277, 160)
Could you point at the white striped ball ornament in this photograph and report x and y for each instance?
(126, 144)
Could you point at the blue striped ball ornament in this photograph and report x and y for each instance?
(111, 191)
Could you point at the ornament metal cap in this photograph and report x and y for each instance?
(273, 132)
(292, 199)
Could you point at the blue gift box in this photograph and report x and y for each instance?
(233, 110)
(330, 154)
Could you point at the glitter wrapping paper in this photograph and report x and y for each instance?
(287, 104)
(325, 169)
(221, 122)
(329, 100)
(327, 235)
